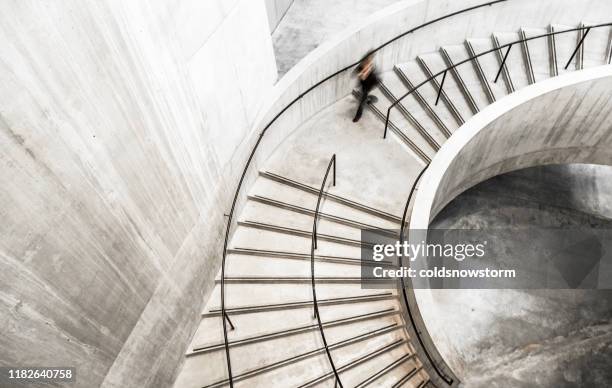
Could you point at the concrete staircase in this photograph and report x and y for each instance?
(470, 87)
(275, 340)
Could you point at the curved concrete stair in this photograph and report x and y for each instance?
(274, 339)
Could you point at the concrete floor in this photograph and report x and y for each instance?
(308, 23)
(527, 338)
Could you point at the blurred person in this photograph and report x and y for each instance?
(368, 80)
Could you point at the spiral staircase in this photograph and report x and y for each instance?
(273, 336)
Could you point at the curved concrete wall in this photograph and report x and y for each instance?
(567, 119)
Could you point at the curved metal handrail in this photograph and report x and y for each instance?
(434, 364)
(313, 246)
(224, 316)
(502, 65)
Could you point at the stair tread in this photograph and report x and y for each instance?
(268, 188)
(267, 214)
(416, 76)
(401, 122)
(250, 296)
(515, 62)
(435, 63)
(457, 54)
(489, 64)
(596, 45)
(565, 44)
(538, 52)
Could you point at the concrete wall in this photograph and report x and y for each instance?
(117, 149)
(522, 338)
(276, 11)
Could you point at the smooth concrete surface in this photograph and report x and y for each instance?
(520, 338)
(308, 23)
(117, 150)
(277, 9)
(353, 42)
(565, 119)
(560, 120)
(361, 157)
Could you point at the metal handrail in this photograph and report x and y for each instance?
(503, 63)
(313, 246)
(225, 317)
(434, 364)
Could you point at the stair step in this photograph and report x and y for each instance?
(327, 215)
(412, 76)
(565, 44)
(259, 237)
(515, 71)
(311, 326)
(279, 349)
(260, 323)
(334, 197)
(258, 267)
(527, 60)
(287, 219)
(379, 374)
(596, 45)
(348, 345)
(239, 302)
(451, 96)
(353, 240)
(403, 117)
(410, 108)
(291, 279)
(539, 53)
(489, 63)
(354, 361)
(419, 152)
(235, 252)
(465, 76)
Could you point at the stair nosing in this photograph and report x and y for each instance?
(202, 349)
(421, 100)
(345, 201)
(459, 80)
(411, 119)
(480, 72)
(216, 311)
(266, 368)
(381, 116)
(443, 95)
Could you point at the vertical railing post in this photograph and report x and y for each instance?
(387, 121)
(502, 64)
(225, 316)
(441, 86)
(334, 170)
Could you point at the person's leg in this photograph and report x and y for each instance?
(362, 101)
(367, 89)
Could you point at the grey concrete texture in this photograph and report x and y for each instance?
(276, 11)
(526, 136)
(115, 176)
(308, 23)
(530, 338)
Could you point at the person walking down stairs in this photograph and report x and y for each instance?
(368, 80)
